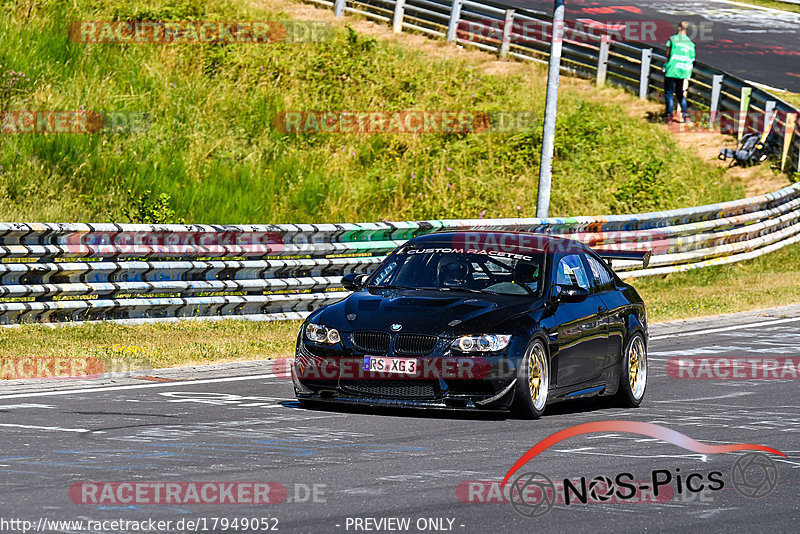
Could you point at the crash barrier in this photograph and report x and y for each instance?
(54, 273)
(525, 34)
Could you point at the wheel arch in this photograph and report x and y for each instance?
(634, 324)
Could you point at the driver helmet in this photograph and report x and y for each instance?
(452, 270)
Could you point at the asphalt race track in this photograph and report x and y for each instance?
(234, 423)
(760, 45)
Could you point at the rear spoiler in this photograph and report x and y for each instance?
(632, 255)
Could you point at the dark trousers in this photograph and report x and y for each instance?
(673, 89)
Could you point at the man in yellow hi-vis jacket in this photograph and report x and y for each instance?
(678, 69)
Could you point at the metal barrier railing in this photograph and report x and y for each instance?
(278, 272)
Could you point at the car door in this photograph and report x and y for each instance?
(615, 304)
(582, 329)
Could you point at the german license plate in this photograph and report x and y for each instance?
(406, 366)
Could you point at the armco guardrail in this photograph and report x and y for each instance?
(81, 272)
(523, 34)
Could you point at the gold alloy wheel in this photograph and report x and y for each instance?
(538, 381)
(637, 367)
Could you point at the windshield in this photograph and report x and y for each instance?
(453, 269)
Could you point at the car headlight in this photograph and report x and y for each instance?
(484, 343)
(322, 334)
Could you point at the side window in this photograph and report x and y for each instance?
(570, 272)
(602, 277)
(386, 272)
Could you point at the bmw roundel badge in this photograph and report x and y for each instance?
(396, 327)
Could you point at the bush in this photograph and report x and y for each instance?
(147, 208)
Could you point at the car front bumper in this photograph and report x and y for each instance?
(491, 387)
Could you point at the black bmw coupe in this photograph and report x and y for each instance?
(479, 320)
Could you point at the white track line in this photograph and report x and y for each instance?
(759, 8)
(135, 386)
(58, 428)
(728, 396)
(726, 328)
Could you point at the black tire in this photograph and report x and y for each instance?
(633, 382)
(533, 381)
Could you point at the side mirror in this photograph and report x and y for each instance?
(573, 293)
(555, 293)
(353, 281)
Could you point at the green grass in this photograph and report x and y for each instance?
(791, 98)
(212, 148)
(773, 4)
(769, 280)
(122, 348)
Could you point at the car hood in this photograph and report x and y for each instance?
(446, 313)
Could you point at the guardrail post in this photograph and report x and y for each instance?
(507, 26)
(455, 18)
(769, 109)
(788, 133)
(716, 89)
(338, 8)
(399, 12)
(602, 61)
(744, 105)
(644, 76)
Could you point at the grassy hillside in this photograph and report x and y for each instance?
(212, 151)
